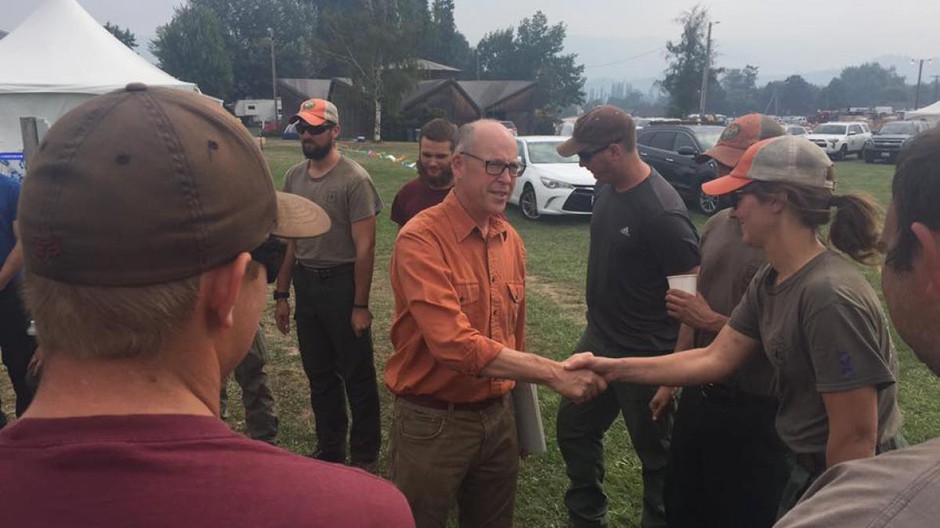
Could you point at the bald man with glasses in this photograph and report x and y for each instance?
(458, 275)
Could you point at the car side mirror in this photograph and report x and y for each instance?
(687, 151)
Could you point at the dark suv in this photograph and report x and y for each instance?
(887, 142)
(671, 150)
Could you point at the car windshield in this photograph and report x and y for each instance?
(838, 130)
(899, 128)
(707, 137)
(544, 152)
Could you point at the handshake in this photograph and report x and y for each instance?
(583, 376)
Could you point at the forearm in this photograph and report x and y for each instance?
(716, 322)
(284, 275)
(522, 366)
(689, 367)
(363, 276)
(12, 265)
(843, 448)
(686, 338)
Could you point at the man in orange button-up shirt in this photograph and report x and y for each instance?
(458, 273)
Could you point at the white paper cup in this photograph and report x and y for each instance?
(686, 283)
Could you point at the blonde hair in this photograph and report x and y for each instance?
(102, 322)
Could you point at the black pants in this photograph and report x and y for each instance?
(16, 346)
(338, 365)
(727, 467)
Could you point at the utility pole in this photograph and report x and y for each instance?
(936, 87)
(920, 70)
(705, 71)
(273, 75)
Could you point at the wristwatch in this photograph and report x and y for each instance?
(281, 295)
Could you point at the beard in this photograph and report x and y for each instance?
(316, 152)
(444, 179)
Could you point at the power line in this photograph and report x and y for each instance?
(621, 61)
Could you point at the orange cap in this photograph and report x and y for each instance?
(316, 112)
(738, 136)
(792, 159)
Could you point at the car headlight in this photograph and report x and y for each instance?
(869, 143)
(555, 184)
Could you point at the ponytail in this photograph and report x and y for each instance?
(855, 229)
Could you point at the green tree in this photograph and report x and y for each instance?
(534, 52)
(375, 43)
(123, 34)
(191, 47)
(871, 84)
(683, 78)
(245, 29)
(740, 90)
(444, 43)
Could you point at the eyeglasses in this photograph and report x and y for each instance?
(585, 155)
(496, 167)
(270, 254)
(303, 127)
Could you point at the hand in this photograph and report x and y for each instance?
(361, 320)
(604, 367)
(663, 402)
(282, 316)
(578, 385)
(691, 310)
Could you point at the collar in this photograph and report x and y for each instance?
(464, 226)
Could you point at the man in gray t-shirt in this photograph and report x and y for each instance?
(901, 488)
(332, 277)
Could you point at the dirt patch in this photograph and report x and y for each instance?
(569, 300)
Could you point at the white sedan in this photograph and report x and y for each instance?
(551, 184)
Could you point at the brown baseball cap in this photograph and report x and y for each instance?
(738, 136)
(150, 185)
(316, 112)
(599, 126)
(791, 159)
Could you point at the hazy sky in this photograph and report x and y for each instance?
(624, 39)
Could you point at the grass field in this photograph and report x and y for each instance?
(557, 256)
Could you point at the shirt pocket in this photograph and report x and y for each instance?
(468, 293)
(515, 305)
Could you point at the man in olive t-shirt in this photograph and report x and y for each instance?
(727, 465)
(332, 277)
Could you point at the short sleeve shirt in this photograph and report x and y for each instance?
(348, 195)
(638, 238)
(728, 265)
(414, 197)
(823, 330)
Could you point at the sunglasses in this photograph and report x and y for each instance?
(270, 254)
(585, 155)
(496, 167)
(303, 127)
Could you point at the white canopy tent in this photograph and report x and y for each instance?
(58, 58)
(929, 113)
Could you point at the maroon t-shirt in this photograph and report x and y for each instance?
(174, 470)
(414, 197)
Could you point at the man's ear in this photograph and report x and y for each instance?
(219, 289)
(930, 253)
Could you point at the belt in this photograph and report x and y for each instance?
(325, 273)
(431, 402)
